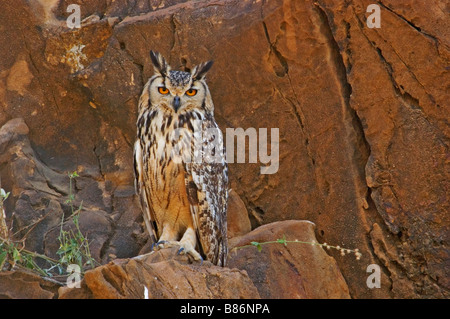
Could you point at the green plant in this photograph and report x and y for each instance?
(284, 242)
(74, 246)
(73, 249)
(15, 255)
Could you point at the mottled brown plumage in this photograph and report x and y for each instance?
(180, 168)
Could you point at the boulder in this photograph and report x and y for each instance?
(26, 285)
(294, 270)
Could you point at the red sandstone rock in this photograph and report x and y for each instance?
(293, 271)
(238, 221)
(163, 275)
(25, 285)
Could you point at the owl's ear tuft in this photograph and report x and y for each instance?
(200, 70)
(159, 63)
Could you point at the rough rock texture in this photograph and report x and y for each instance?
(238, 220)
(165, 275)
(24, 285)
(110, 220)
(362, 115)
(293, 271)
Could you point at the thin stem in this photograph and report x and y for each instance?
(283, 241)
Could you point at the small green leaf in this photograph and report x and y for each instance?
(73, 174)
(257, 245)
(282, 241)
(16, 255)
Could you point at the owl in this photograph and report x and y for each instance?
(181, 175)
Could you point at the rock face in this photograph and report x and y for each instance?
(237, 214)
(110, 219)
(362, 116)
(293, 271)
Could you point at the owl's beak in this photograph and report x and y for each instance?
(176, 103)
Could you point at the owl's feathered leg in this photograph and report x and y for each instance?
(167, 239)
(186, 244)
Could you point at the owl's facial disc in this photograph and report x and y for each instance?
(177, 92)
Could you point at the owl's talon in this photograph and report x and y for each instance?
(160, 244)
(154, 245)
(191, 253)
(164, 244)
(187, 249)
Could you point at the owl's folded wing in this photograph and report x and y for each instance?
(207, 190)
(149, 216)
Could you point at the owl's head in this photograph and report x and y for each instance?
(178, 91)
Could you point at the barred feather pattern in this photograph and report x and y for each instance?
(207, 184)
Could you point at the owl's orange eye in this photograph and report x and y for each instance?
(163, 90)
(191, 92)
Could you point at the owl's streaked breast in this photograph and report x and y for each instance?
(166, 141)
